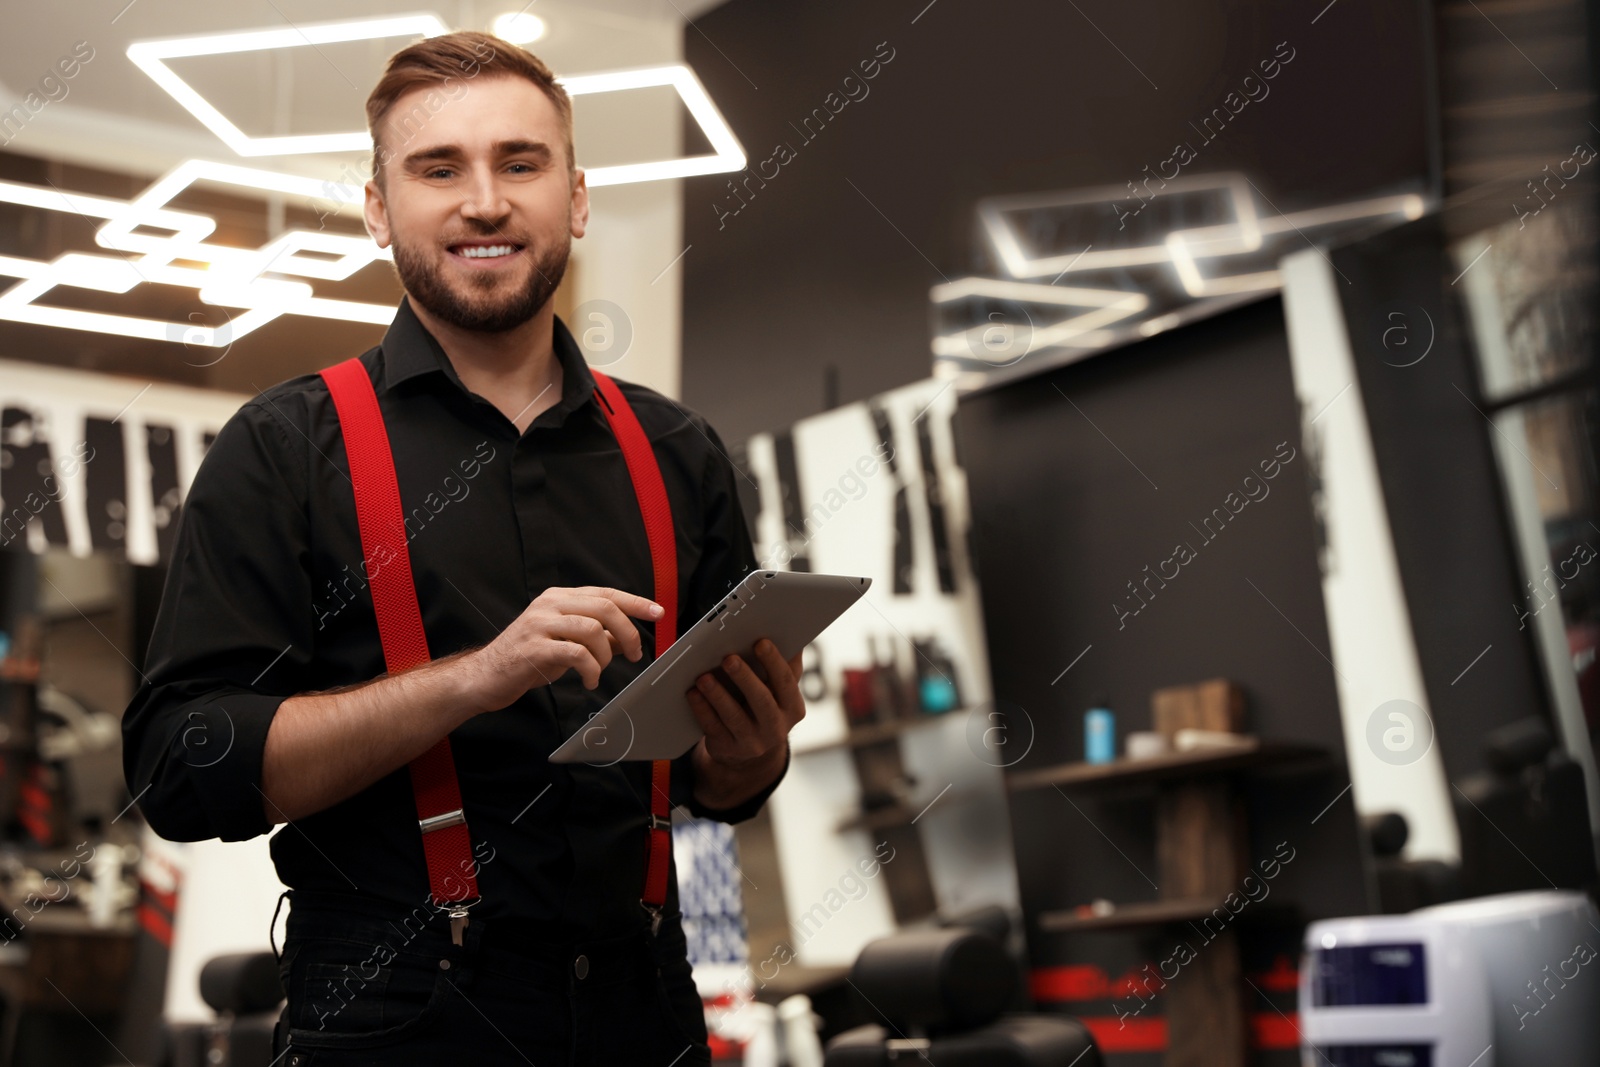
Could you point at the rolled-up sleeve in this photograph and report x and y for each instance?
(231, 640)
(728, 556)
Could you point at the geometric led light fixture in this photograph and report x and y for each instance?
(152, 243)
(1188, 256)
(1020, 257)
(151, 56)
(727, 154)
(1192, 237)
(996, 341)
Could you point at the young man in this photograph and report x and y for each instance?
(267, 698)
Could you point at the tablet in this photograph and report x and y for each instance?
(650, 719)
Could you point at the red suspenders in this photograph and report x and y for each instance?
(440, 816)
(653, 504)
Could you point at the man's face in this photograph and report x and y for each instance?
(477, 200)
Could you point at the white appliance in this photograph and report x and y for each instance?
(1502, 981)
(1392, 991)
(1541, 953)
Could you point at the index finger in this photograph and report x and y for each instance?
(606, 611)
(630, 603)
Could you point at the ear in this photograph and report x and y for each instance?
(376, 214)
(580, 204)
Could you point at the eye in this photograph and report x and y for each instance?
(436, 171)
(526, 166)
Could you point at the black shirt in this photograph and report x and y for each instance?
(267, 598)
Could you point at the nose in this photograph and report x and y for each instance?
(482, 197)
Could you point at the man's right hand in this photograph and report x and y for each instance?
(322, 748)
(563, 629)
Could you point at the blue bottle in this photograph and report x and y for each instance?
(1099, 733)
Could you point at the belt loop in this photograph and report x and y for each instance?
(272, 930)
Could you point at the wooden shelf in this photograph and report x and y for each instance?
(1130, 916)
(1250, 754)
(878, 819)
(1150, 913)
(887, 818)
(876, 732)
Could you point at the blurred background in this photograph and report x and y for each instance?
(1209, 389)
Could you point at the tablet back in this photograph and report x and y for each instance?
(650, 719)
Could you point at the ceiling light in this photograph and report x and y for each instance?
(1107, 306)
(233, 277)
(1009, 239)
(148, 210)
(104, 273)
(728, 152)
(1027, 292)
(1186, 257)
(518, 27)
(149, 56)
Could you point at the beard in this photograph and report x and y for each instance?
(491, 302)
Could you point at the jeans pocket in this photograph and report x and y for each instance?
(336, 1005)
(339, 998)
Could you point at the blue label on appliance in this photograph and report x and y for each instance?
(1369, 974)
(1376, 1055)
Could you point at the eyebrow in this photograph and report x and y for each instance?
(502, 148)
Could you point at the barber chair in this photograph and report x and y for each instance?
(1525, 822)
(245, 991)
(942, 994)
(1406, 885)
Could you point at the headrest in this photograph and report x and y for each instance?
(241, 983)
(991, 919)
(936, 980)
(1518, 744)
(1387, 832)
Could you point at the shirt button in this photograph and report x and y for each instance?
(444, 965)
(580, 967)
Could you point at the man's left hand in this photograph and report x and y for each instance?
(746, 727)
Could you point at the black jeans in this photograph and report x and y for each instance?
(390, 988)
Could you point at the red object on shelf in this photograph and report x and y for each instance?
(19, 669)
(1127, 1035)
(1268, 1030)
(1069, 983)
(858, 697)
(1283, 978)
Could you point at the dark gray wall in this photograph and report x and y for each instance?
(831, 262)
(1079, 479)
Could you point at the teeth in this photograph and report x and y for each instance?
(487, 251)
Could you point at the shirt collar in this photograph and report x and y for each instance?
(410, 351)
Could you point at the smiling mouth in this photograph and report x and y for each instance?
(485, 252)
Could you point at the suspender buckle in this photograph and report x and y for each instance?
(660, 822)
(440, 822)
(457, 911)
(458, 924)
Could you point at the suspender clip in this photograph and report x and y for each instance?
(440, 822)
